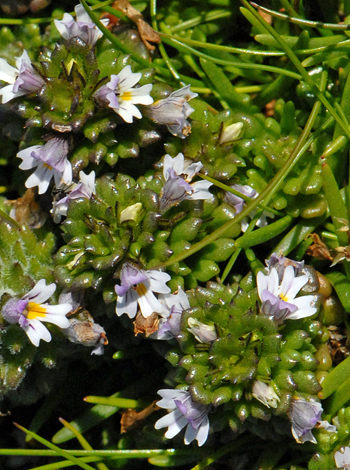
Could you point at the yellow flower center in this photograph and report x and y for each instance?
(35, 310)
(141, 289)
(126, 96)
(47, 166)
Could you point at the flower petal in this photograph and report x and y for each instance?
(37, 331)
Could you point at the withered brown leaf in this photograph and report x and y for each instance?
(319, 249)
(147, 325)
(26, 211)
(147, 33)
(131, 419)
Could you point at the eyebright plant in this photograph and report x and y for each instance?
(136, 166)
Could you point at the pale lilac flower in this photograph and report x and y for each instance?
(239, 204)
(342, 458)
(83, 27)
(173, 111)
(138, 287)
(120, 95)
(84, 189)
(265, 394)
(22, 79)
(50, 160)
(305, 415)
(169, 323)
(279, 297)
(183, 412)
(201, 331)
(29, 312)
(177, 185)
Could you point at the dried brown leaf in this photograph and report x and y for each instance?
(147, 33)
(131, 419)
(319, 249)
(26, 211)
(147, 325)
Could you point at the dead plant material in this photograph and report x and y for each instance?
(319, 249)
(147, 33)
(147, 325)
(26, 211)
(131, 419)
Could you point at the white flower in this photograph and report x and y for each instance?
(265, 394)
(173, 111)
(50, 160)
(230, 133)
(183, 412)
(83, 27)
(137, 287)
(238, 203)
(84, 189)
(29, 312)
(201, 331)
(120, 95)
(305, 415)
(342, 458)
(177, 185)
(173, 306)
(278, 299)
(22, 79)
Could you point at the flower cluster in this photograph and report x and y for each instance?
(82, 28)
(137, 287)
(50, 161)
(278, 290)
(178, 174)
(173, 307)
(23, 79)
(304, 416)
(183, 412)
(120, 95)
(85, 188)
(30, 311)
(173, 111)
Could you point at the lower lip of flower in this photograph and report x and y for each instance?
(35, 310)
(126, 96)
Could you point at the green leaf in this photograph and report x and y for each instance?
(335, 203)
(341, 285)
(60, 452)
(223, 85)
(335, 379)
